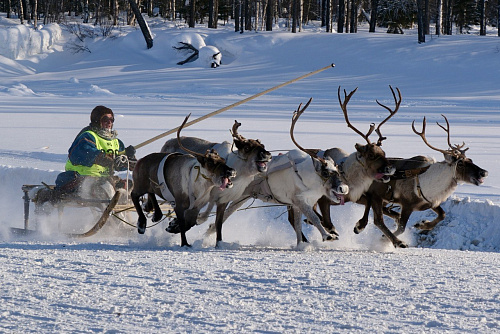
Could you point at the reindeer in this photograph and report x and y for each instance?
(185, 179)
(296, 179)
(360, 168)
(250, 159)
(423, 185)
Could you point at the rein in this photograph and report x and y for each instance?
(200, 173)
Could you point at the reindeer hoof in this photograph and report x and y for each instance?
(333, 231)
(330, 238)
(358, 230)
(141, 227)
(173, 227)
(401, 245)
(157, 217)
(422, 225)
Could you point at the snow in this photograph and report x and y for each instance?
(258, 281)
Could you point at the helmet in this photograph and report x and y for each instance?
(97, 113)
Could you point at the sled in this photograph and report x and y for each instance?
(105, 207)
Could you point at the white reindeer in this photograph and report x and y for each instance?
(297, 179)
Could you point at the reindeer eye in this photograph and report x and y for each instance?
(460, 163)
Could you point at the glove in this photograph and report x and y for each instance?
(121, 162)
(104, 160)
(130, 152)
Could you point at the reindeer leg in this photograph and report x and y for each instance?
(141, 221)
(361, 224)
(295, 215)
(378, 218)
(427, 225)
(158, 215)
(402, 219)
(291, 219)
(313, 217)
(219, 220)
(202, 217)
(325, 217)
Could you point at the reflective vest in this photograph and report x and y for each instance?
(107, 146)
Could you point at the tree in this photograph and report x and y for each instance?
(439, 19)
(341, 16)
(142, 24)
(421, 24)
(373, 16)
(482, 17)
(269, 15)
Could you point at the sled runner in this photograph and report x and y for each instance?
(114, 206)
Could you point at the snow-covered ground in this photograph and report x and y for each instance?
(119, 281)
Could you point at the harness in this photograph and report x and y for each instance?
(279, 163)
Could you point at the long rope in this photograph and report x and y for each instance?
(199, 119)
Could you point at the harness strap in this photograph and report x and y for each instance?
(409, 173)
(419, 189)
(200, 173)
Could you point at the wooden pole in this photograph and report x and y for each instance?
(199, 119)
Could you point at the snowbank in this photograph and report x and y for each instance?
(21, 41)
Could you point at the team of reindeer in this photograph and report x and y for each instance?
(195, 174)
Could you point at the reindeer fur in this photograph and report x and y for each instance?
(189, 180)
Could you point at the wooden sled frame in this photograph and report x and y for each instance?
(111, 208)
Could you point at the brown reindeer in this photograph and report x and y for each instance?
(185, 179)
(359, 169)
(420, 184)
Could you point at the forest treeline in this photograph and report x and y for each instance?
(342, 16)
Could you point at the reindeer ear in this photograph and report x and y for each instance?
(360, 148)
(449, 158)
(201, 159)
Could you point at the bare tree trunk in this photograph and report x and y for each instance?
(294, 15)
(482, 17)
(498, 20)
(116, 12)
(347, 15)
(354, 17)
(35, 14)
(373, 16)
(427, 18)
(142, 24)
(439, 19)
(192, 13)
(237, 15)
(86, 14)
(420, 17)
(301, 13)
(328, 15)
(21, 12)
(97, 12)
(269, 15)
(341, 16)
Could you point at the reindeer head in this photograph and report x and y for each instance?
(371, 156)
(251, 150)
(326, 168)
(215, 166)
(465, 170)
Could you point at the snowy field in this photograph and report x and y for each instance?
(122, 282)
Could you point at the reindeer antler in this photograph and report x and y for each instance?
(447, 130)
(422, 135)
(295, 117)
(179, 139)
(397, 102)
(234, 131)
(343, 106)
